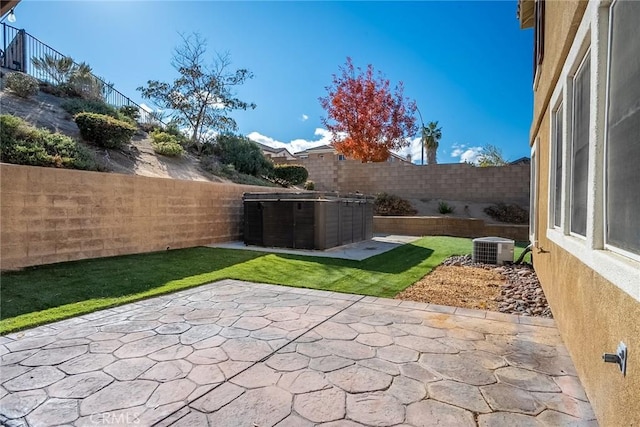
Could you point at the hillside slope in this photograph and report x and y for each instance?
(137, 158)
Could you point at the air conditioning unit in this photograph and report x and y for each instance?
(492, 250)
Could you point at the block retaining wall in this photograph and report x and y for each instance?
(439, 226)
(51, 215)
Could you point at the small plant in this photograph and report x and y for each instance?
(25, 145)
(512, 214)
(22, 84)
(166, 144)
(130, 111)
(390, 205)
(309, 186)
(290, 174)
(75, 106)
(103, 130)
(444, 208)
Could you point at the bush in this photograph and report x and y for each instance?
(390, 205)
(309, 185)
(169, 149)
(512, 214)
(444, 208)
(22, 84)
(75, 106)
(290, 174)
(166, 144)
(103, 130)
(25, 145)
(244, 154)
(130, 111)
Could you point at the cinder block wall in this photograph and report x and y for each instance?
(438, 226)
(458, 181)
(51, 215)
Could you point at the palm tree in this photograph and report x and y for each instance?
(431, 135)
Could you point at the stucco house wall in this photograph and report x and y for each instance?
(594, 292)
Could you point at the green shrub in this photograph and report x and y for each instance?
(309, 185)
(166, 144)
(104, 130)
(512, 214)
(444, 208)
(170, 149)
(75, 106)
(25, 145)
(130, 111)
(244, 154)
(390, 205)
(290, 174)
(22, 84)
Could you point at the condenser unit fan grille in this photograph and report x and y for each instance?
(492, 250)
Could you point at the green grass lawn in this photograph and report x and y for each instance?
(44, 294)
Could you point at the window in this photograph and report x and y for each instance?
(533, 196)
(538, 48)
(580, 147)
(341, 157)
(622, 169)
(556, 168)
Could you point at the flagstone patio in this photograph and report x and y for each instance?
(241, 354)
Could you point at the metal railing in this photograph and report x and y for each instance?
(19, 49)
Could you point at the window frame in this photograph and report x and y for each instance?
(605, 224)
(586, 57)
(559, 107)
(615, 266)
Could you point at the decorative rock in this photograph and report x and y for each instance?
(418, 372)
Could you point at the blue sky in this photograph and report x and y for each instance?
(467, 64)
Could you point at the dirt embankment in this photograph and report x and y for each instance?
(137, 158)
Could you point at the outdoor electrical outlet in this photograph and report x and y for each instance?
(620, 357)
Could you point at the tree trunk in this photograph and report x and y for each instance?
(431, 156)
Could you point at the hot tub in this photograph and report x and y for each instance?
(309, 220)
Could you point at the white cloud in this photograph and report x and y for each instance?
(414, 149)
(146, 108)
(305, 117)
(297, 144)
(466, 154)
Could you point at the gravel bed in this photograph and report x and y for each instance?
(522, 294)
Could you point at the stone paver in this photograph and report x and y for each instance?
(233, 353)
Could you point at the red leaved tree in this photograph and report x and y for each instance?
(366, 117)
